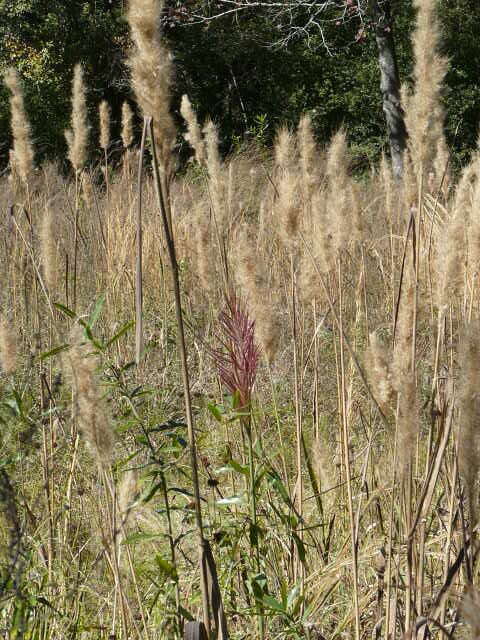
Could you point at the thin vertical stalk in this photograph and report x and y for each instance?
(390, 534)
(75, 241)
(247, 426)
(346, 456)
(448, 543)
(138, 254)
(316, 416)
(171, 543)
(186, 381)
(298, 417)
(278, 424)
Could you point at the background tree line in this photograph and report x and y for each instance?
(235, 68)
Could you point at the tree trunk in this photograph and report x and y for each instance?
(390, 84)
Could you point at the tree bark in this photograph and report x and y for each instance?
(390, 83)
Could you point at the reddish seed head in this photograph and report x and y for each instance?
(237, 359)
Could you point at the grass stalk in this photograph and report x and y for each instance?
(186, 380)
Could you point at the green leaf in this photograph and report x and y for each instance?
(240, 468)
(166, 568)
(258, 585)
(97, 310)
(293, 596)
(126, 327)
(272, 603)
(152, 492)
(300, 547)
(254, 534)
(141, 537)
(185, 614)
(215, 411)
(53, 352)
(87, 330)
(276, 483)
(65, 310)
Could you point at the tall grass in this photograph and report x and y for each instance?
(287, 445)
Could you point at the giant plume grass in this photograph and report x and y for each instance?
(23, 151)
(388, 448)
(151, 77)
(77, 140)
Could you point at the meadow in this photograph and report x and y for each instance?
(244, 392)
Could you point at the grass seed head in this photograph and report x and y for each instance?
(24, 153)
(77, 135)
(90, 410)
(151, 70)
(48, 247)
(127, 125)
(194, 133)
(105, 117)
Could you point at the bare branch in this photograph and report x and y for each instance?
(295, 19)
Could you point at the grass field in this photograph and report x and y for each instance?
(246, 392)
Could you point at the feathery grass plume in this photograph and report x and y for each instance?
(473, 232)
(127, 494)
(285, 149)
(8, 347)
(379, 371)
(451, 253)
(287, 208)
(287, 202)
(441, 165)
(105, 116)
(152, 68)
(218, 188)
(307, 279)
(338, 205)
(89, 406)
(249, 270)
(48, 247)
(356, 212)
(127, 125)
(424, 112)
(268, 330)
(409, 187)
(206, 266)
(323, 248)
(24, 154)
(469, 403)
(88, 190)
(194, 133)
(13, 177)
(308, 152)
(77, 136)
